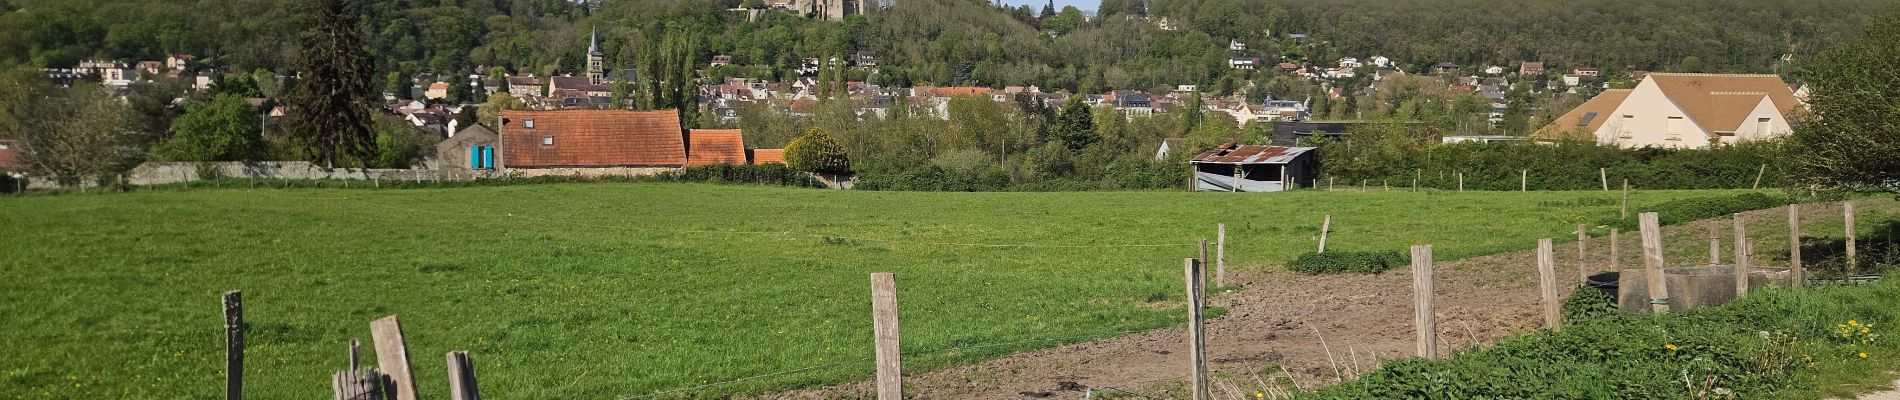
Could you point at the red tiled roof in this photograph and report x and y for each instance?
(768, 156)
(955, 91)
(592, 138)
(714, 146)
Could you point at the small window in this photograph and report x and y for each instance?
(4, 146)
(1675, 128)
(528, 123)
(547, 140)
(1624, 128)
(1761, 126)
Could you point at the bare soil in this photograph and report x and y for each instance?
(1321, 328)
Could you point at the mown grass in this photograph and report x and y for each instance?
(619, 290)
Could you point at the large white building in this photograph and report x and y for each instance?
(1682, 111)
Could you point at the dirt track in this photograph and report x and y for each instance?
(1280, 317)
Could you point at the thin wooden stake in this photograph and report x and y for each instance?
(1758, 173)
(1853, 262)
(1330, 180)
(1653, 263)
(1616, 262)
(1547, 281)
(1203, 255)
(890, 372)
(1324, 228)
(1220, 255)
(233, 345)
(1416, 173)
(1197, 334)
(462, 377)
(1715, 245)
(1583, 256)
(1741, 257)
(1423, 317)
(1604, 175)
(1794, 246)
(392, 355)
(356, 355)
(1626, 199)
(1523, 180)
(1461, 181)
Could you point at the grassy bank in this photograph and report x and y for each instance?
(616, 290)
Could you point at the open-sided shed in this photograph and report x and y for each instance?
(1236, 167)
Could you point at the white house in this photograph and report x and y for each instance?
(1381, 62)
(1244, 62)
(1236, 45)
(1349, 63)
(1494, 70)
(1682, 111)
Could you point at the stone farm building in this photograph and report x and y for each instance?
(1682, 111)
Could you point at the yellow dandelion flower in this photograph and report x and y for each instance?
(1853, 323)
(1259, 395)
(1863, 354)
(1863, 329)
(1671, 346)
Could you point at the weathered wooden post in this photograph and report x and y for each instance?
(1423, 317)
(1523, 180)
(1742, 252)
(233, 345)
(1616, 262)
(1583, 257)
(1197, 334)
(1794, 246)
(392, 355)
(1715, 245)
(1853, 262)
(890, 372)
(1626, 199)
(1203, 254)
(1220, 255)
(1604, 175)
(1461, 181)
(1653, 263)
(1330, 180)
(462, 377)
(1758, 173)
(1324, 228)
(1416, 173)
(1547, 281)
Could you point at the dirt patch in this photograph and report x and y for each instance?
(1320, 328)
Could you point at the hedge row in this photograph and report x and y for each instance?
(1562, 166)
(1697, 208)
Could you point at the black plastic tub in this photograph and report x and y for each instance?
(1606, 282)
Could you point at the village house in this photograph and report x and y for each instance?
(1247, 63)
(524, 86)
(1530, 68)
(10, 156)
(469, 152)
(436, 91)
(766, 156)
(590, 142)
(1681, 111)
(1236, 45)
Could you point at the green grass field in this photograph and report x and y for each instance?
(621, 290)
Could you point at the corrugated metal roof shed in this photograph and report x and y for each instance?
(1250, 154)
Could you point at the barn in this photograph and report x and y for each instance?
(1236, 167)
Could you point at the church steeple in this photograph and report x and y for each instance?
(596, 68)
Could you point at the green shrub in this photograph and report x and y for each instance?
(1332, 262)
(767, 174)
(1586, 303)
(1697, 208)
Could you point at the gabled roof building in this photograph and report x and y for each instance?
(1682, 111)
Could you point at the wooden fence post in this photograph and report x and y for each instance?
(1758, 173)
(1626, 199)
(1330, 180)
(1523, 180)
(1416, 173)
(1794, 245)
(890, 372)
(1604, 175)
(462, 377)
(1220, 255)
(1547, 281)
(1386, 183)
(392, 355)
(233, 345)
(1616, 262)
(356, 355)
(1741, 257)
(1423, 317)
(1197, 334)
(1583, 256)
(1461, 181)
(1653, 263)
(1847, 212)
(1203, 254)
(1715, 245)
(1324, 228)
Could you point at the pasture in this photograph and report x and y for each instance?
(626, 290)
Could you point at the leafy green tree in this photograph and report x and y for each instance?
(1851, 134)
(329, 106)
(817, 152)
(1074, 126)
(222, 129)
(78, 135)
